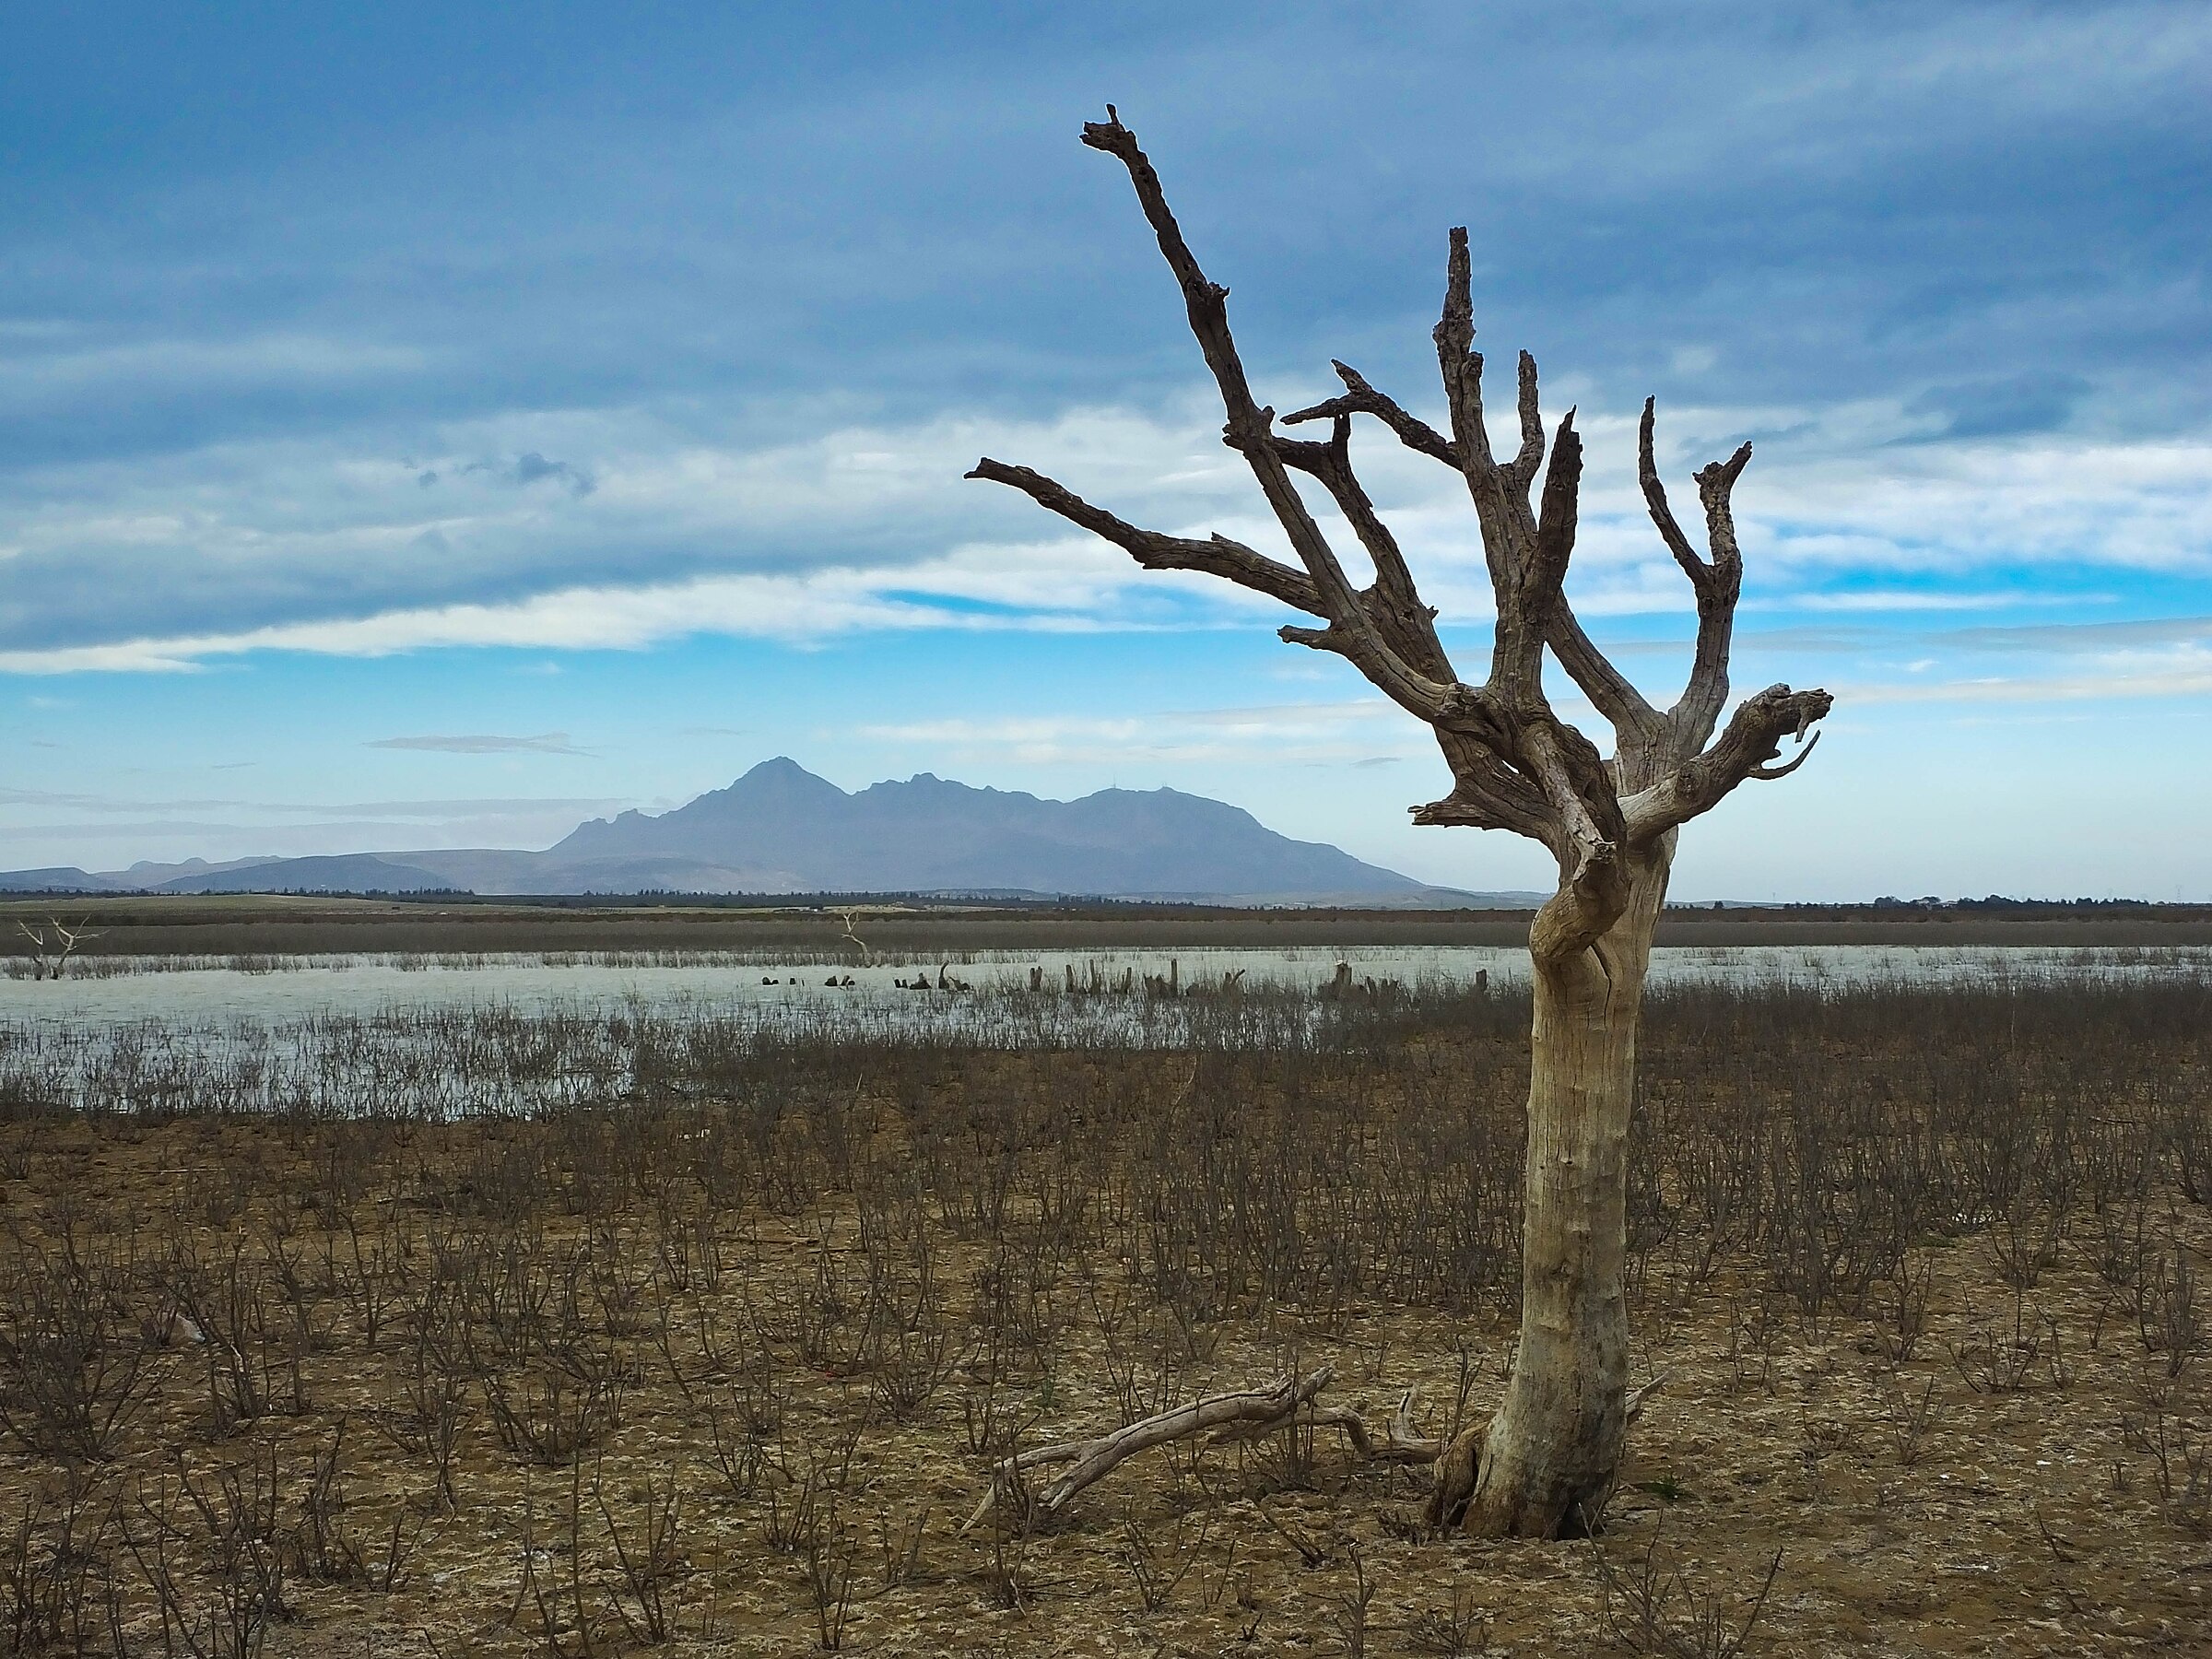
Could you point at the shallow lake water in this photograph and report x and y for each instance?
(516, 1034)
(207, 991)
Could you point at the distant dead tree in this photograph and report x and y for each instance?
(52, 946)
(854, 939)
(1554, 1447)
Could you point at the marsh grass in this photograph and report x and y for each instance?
(589, 1333)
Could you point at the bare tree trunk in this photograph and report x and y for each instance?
(1554, 1448)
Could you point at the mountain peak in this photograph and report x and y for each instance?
(777, 765)
(784, 772)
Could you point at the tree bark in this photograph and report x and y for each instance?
(1553, 1451)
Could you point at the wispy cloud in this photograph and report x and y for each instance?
(431, 807)
(2183, 669)
(543, 743)
(2071, 637)
(1912, 599)
(1313, 732)
(1058, 587)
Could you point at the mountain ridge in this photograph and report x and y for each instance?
(779, 828)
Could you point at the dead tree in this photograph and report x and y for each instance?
(50, 957)
(1556, 1441)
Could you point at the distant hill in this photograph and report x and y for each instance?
(59, 879)
(782, 829)
(337, 873)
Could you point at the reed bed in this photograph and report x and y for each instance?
(271, 927)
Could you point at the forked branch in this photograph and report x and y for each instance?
(1360, 398)
(1353, 630)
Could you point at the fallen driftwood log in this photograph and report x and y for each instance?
(1401, 1441)
(1246, 1415)
(1255, 1409)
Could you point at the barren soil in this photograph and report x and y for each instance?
(712, 1373)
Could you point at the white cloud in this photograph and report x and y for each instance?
(1325, 731)
(815, 606)
(1913, 599)
(2184, 671)
(300, 545)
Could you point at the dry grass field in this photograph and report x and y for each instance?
(721, 1365)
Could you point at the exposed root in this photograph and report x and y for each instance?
(1455, 1473)
(1461, 1463)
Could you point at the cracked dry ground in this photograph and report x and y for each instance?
(716, 1371)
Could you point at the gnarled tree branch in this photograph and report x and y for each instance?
(1753, 737)
(1717, 582)
(1217, 556)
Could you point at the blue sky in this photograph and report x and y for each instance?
(430, 425)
